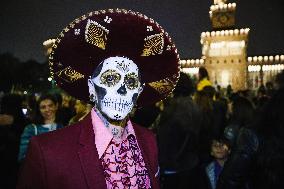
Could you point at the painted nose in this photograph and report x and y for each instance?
(122, 90)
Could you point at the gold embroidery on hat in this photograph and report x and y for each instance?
(153, 45)
(96, 34)
(69, 75)
(163, 86)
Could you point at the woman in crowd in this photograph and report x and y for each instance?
(44, 121)
(203, 79)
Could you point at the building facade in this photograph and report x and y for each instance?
(224, 53)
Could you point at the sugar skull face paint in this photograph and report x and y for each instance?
(115, 87)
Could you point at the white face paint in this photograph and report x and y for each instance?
(115, 87)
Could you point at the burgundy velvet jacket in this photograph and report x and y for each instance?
(68, 159)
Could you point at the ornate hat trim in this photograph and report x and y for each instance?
(69, 75)
(163, 86)
(153, 45)
(96, 34)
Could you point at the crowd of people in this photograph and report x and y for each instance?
(203, 136)
(214, 139)
(198, 129)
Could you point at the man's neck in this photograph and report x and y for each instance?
(115, 127)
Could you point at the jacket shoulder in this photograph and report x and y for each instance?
(142, 131)
(63, 136)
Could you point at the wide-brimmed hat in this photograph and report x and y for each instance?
(96, 36)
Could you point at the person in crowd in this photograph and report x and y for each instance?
(269, 89)
(241, 114)
(112, 58)
(12, 122)
(203, 79)
(44, 121)
(220, 150)
(178, 138)
(258, 157)
(213, 119)
(261, 98)
(229, 91)
(12, 113)
(279, 80)
(65, 109)
(82, 109)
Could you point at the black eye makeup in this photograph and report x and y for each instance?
(131, 81)
(110, 78)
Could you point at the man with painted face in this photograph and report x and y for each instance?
(114, 88)
(115, 59)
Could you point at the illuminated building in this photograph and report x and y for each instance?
(224, 53)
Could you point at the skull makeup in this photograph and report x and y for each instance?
(115, 87)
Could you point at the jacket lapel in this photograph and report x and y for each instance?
(89, 158)
(143, 147)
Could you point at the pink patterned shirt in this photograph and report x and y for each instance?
(122, 160)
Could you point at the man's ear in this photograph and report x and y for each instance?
(141, 89)
(92, 91)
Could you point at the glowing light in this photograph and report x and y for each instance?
(254, 68)
(225, 75)
(191, 71)
(236, 31)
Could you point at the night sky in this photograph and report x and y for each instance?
(25, 24)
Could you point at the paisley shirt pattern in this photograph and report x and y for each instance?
(122, 161)
(124, 166)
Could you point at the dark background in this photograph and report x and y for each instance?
(25, 24)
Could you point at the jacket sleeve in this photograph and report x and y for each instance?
(25, 139)
(237, 169)
(31, 175)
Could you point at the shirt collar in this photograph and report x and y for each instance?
(103, 135)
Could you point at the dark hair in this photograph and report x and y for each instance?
(243, 111)
(178, 134)
(202, 73)
(184, 86)
(12, 104)
(38, 119)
